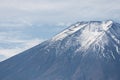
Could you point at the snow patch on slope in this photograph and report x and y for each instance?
(107, 25)
(93, 32)
(68, 31)
(91, 29)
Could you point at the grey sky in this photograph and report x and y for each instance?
(59, 11)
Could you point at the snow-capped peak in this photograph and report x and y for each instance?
(90, 28)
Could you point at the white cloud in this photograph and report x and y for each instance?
(32, 5)
(18, 23)
(13, 42)
(52, 11)
(63, 24)
(26, 44)
(30, 43)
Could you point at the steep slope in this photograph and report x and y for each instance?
(84, 51)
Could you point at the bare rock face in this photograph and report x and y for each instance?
(84, 51)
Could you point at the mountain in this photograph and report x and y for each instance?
(84, 51)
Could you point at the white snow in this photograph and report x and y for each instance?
(91, 32)
(94, 28)
(68, 31)
(88, 33)
(106, 25)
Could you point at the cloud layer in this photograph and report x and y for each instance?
(16, 39)
(52, 11)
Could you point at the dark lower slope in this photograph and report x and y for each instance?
(64, 67)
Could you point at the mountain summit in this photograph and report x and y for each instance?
(88, 27)
(84, 51)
